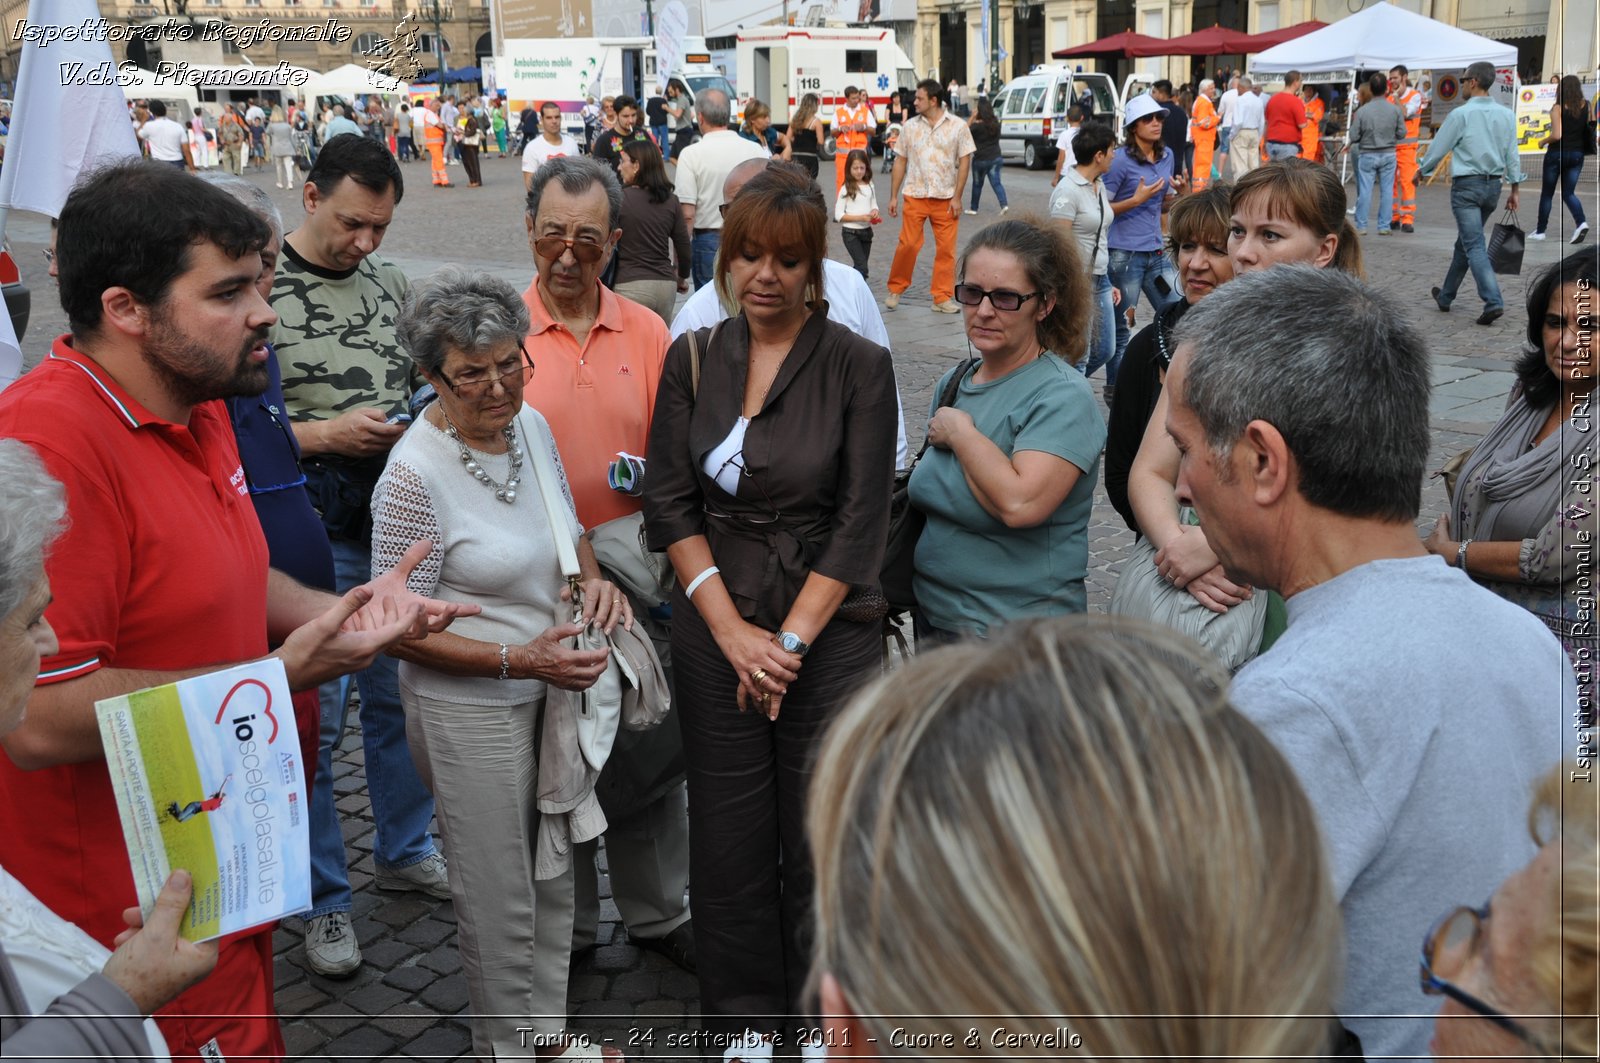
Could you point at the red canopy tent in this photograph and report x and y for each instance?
(1260, 42)
(1127, 43)
(1213, 41)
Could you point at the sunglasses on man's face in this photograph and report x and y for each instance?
(553, 247)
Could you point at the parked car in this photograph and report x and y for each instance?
(19, 301)
(1033, 110)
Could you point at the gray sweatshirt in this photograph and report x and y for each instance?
(1378, 126)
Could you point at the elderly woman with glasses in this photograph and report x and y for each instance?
(1521, 975)
(1007, 482)
(771, 463)
(468, 472)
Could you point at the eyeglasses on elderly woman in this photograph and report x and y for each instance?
(477, 384)
(1450, 943)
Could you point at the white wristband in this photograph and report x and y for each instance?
(694, 584)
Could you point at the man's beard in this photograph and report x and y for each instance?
(192, 372)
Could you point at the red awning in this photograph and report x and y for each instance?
(1127, 43)
(1213, 41)
(1260, 42)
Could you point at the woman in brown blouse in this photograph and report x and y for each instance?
(770, 471)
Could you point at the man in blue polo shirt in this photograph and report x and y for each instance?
(1141, 185)
(1483, 137)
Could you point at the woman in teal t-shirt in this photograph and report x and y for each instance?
(1007, 483)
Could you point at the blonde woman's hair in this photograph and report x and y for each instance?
(1070, 819)
(1565, 952)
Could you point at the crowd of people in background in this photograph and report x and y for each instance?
(1250, 792)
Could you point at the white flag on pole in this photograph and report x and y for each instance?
(60, 124)
(69, 115)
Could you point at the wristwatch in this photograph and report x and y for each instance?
(792, 643)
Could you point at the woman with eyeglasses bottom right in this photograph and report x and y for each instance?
(1521, 975)
(1007, 482)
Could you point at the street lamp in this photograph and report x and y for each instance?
(438, 13)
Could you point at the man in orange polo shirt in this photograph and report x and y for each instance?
(162, 572)
(599, 358)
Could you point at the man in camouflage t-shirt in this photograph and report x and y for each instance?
(344, 381)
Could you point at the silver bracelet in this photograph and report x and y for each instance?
(1461, 554)
(505, 662)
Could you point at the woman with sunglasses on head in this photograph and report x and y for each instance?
(1520, 975)
(1286, 211)
(771, 464)
(467, 476)
(1007, 482)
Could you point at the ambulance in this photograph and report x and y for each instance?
(780, 64)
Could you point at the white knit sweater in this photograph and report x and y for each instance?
(488, 553)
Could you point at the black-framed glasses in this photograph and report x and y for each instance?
(1448, 946)
(736, 463)
(1001, 299)
(553, 247)
(477, 387)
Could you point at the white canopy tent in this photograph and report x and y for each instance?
(352, 80)
(1379, 38)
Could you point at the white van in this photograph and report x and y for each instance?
(1033, 110)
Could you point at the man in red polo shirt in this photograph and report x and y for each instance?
(1286, 118)
(162, 572)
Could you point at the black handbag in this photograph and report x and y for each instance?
(1506, 244)
(906, 520)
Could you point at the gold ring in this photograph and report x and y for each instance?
(758, 676)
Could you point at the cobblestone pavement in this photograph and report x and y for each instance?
(409, 999)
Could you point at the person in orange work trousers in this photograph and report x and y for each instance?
(1409, 100)
(1203, 125)
(434, 134)
(1311, 135)
(934, 156)
(852, 129)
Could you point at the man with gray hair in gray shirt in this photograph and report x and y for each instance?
(1417, 708)
(1376, 130)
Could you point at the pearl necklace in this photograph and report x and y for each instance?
(506, 492)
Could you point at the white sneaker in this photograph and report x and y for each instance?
(429, 875)
(1581, 233)
(969, 212)
(331, 946)
(1536, 235)
(1005, 210)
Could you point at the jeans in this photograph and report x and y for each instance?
(1133, 272)
(1102, 329)
(407, 148)
(703, 256)
(659, 132)
(1276, 151)
(1375, 166)
(401, 805)
(1565, 166)
(858, 242)
(991, 169)
(1224, 135)
(1473, 200)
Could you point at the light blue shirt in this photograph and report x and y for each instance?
(1483, 136)
(339, 125)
